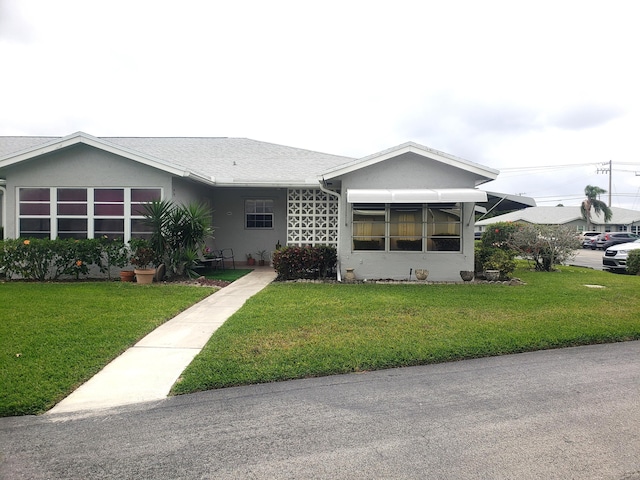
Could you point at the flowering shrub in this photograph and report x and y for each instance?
(44, 259)
(292, 263)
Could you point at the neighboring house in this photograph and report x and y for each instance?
(405, 208)
(623, 220)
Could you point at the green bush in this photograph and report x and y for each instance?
(292, 263)
(633, 262)
(44, 259)
(502, 260)
(493, 252)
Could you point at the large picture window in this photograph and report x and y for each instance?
(406, 227)
(258, 213)
(84, 212)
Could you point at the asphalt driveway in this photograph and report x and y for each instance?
(560, 414)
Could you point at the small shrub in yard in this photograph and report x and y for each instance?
(633, 262)
(292, 263)
(494, 252)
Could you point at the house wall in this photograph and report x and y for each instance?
(78, 166)
(229, 221)
(407, 171)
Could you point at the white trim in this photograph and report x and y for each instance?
(410, 147)
(90, 216)
(83, 138)
(425, 195)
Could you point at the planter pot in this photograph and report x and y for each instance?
(421, 273)
(251, 262)
(127, 275)
(145, 276)
(466, 275)
(349, 276)
(492, 275)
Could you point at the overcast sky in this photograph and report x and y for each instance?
(520, 86)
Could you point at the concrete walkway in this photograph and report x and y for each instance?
(148, 370)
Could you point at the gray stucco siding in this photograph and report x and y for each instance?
(408, 171)
(78, 166)
(395, 265)
(229, 221)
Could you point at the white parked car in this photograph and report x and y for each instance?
(615, 257)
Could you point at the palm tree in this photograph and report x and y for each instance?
(592, 201)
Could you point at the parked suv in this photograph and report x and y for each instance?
(615, 257)
(613, 238)
(587, 237)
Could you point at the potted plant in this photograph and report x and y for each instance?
(422, 274)
(263, 256)
(142, 256)
(250, 260)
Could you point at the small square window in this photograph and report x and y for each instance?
(258, 213)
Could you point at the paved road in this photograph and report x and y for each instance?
(588, 258)
(561, 414)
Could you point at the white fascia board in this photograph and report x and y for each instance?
(83, 138)
(433, 195)
(231, 182)
(488, 173)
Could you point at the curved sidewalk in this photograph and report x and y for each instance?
(148, 370)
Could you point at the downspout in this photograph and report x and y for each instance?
(3, 194)
(339, 197)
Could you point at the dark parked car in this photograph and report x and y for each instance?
(609, 239)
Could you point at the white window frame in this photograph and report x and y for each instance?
(90, 216)
(265, 213)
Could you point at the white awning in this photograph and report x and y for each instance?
(426, 195)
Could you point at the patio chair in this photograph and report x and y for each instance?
(217, 258)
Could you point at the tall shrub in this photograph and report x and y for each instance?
(545, 245)
(178, 233)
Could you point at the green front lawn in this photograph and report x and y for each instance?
(296, 330)
(55, 336)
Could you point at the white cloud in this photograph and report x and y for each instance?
(498, 82)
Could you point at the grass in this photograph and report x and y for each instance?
(295, 330)
(226, 275)
(55, 336)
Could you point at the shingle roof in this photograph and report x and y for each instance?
(562, 215)
(229, 160)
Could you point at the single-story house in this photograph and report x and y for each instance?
(623, 219)
(408, 207)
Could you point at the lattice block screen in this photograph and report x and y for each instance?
(312, 217)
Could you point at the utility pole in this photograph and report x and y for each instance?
(605, 169)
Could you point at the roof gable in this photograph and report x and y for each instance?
(484, 174)
(562, 215)
(211, 160)
(78, 138)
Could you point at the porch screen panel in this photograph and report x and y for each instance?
(405, 228)
(369, 227)
(312, 217)
(443, 227)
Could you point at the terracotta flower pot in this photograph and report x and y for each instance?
(144, 276)
(127, 275)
